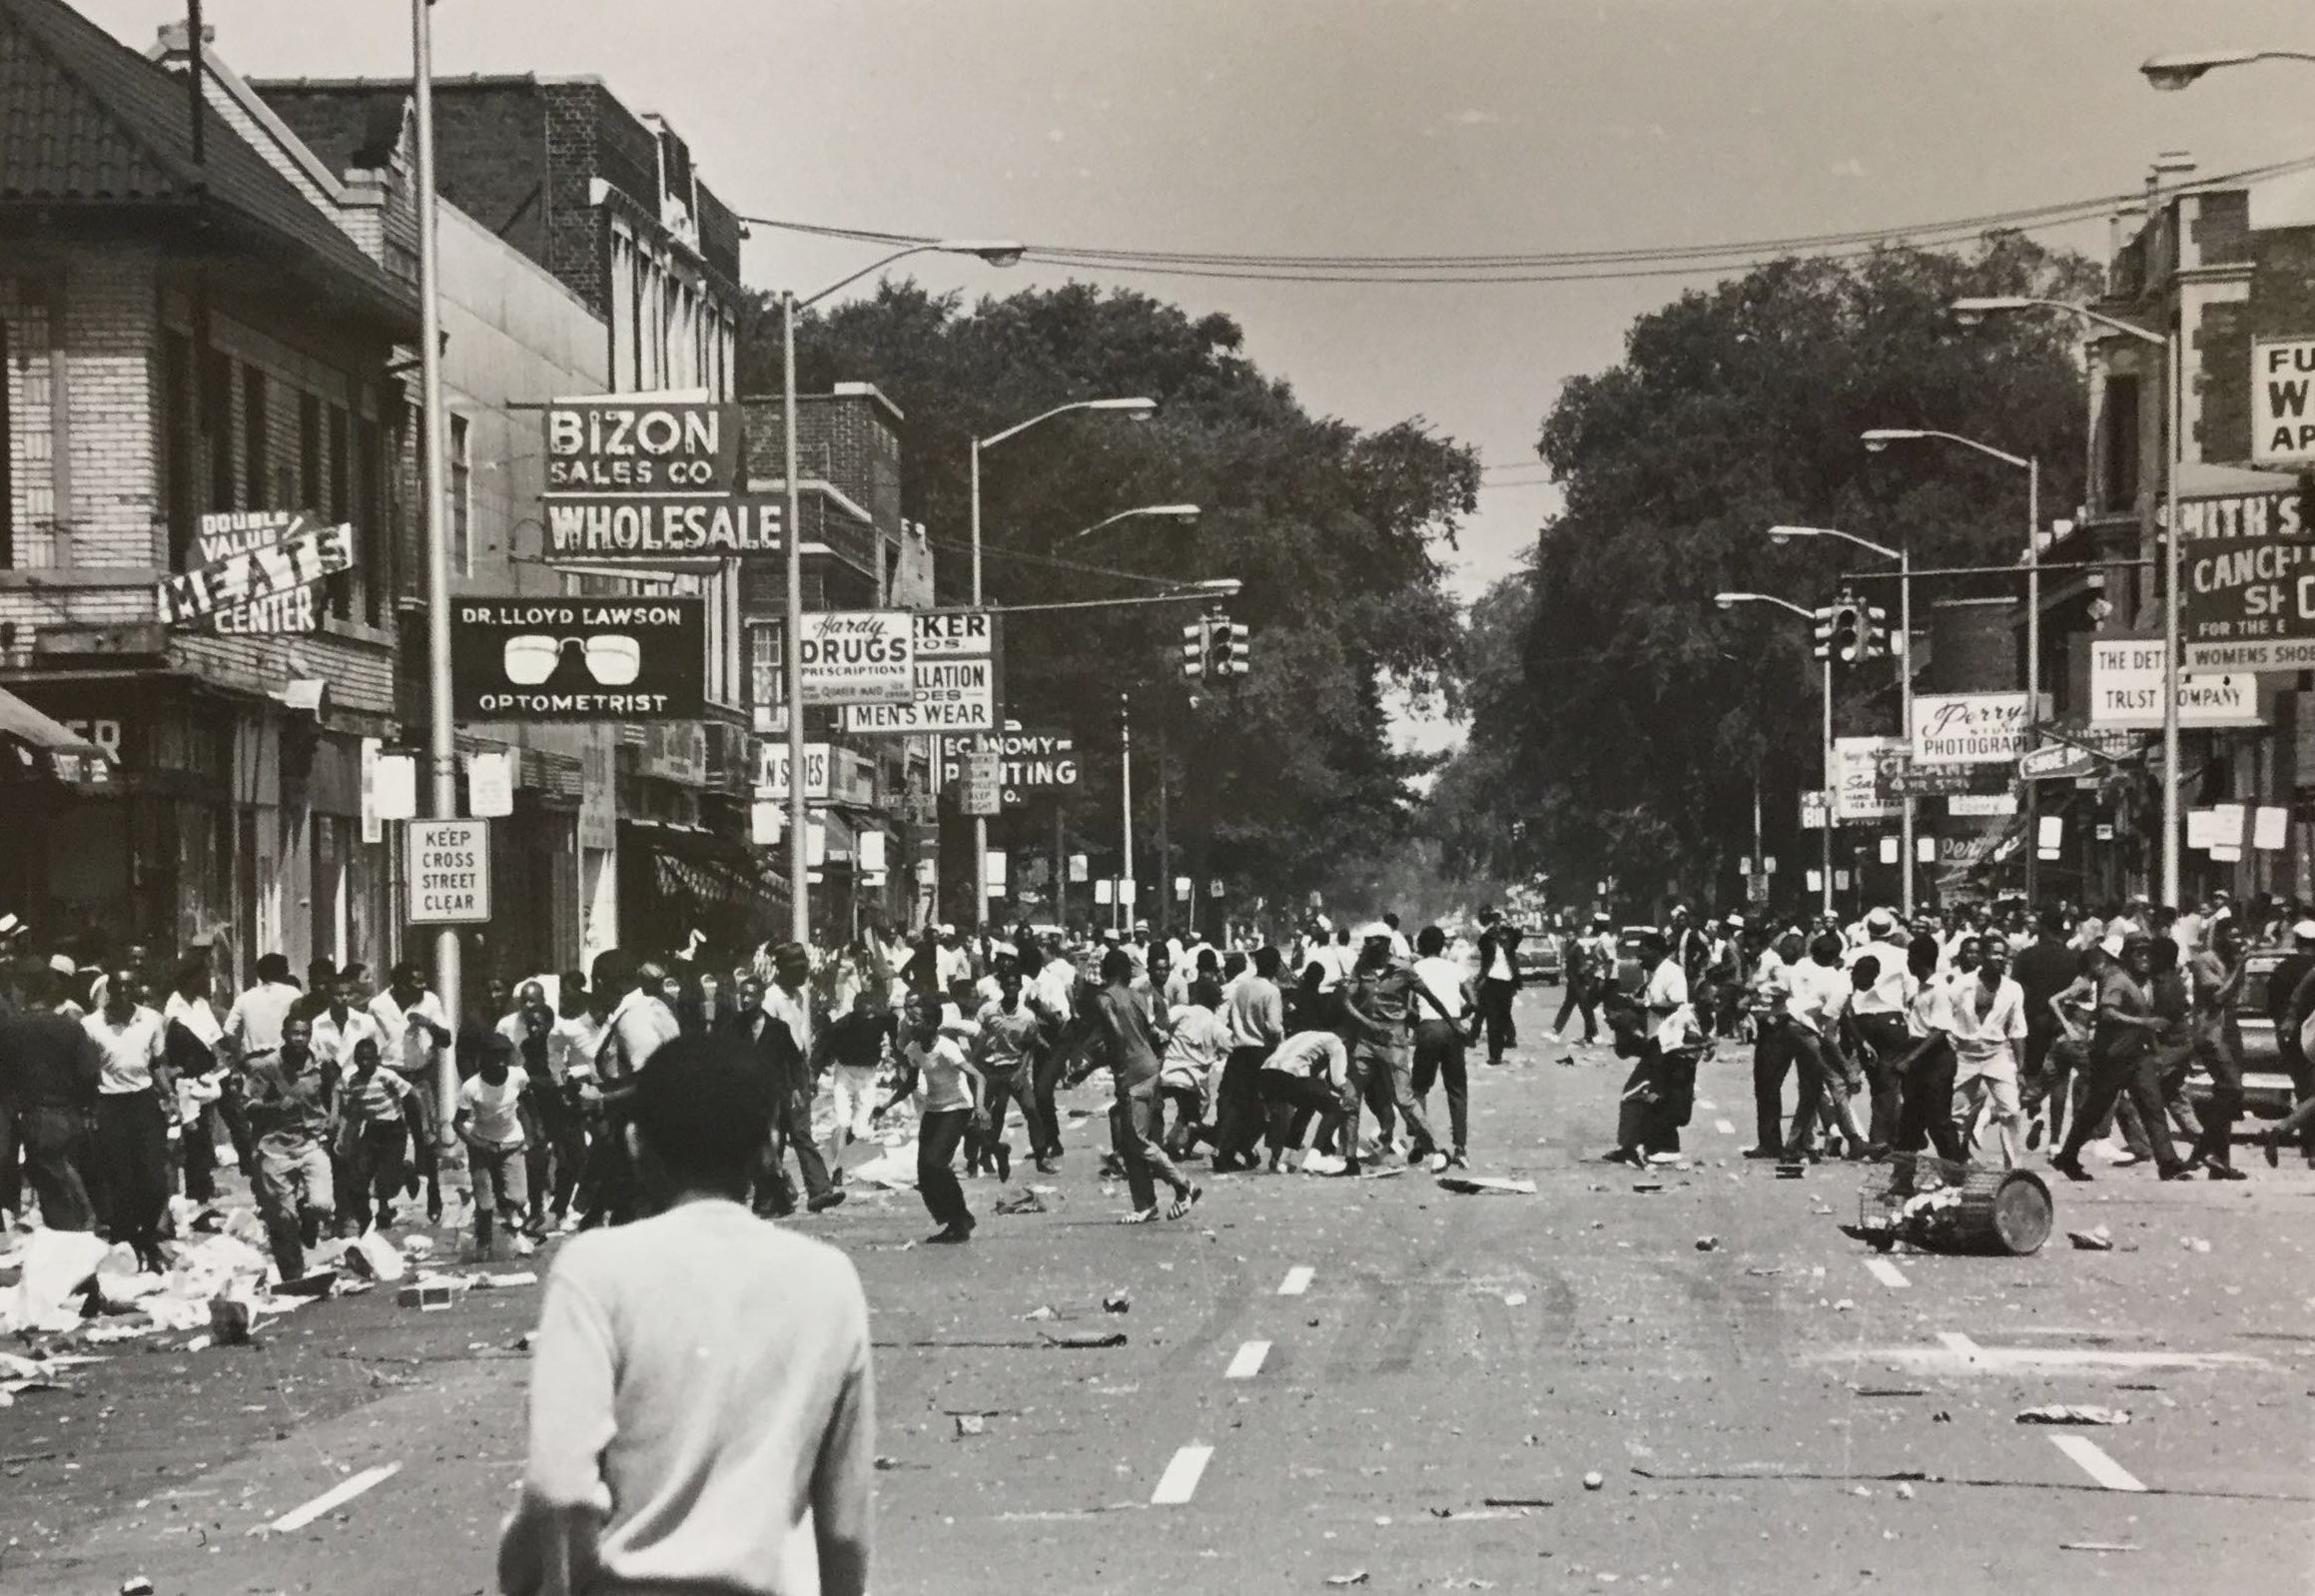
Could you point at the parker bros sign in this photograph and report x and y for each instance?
(650, 477)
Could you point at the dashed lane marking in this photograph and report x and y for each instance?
(2095, 1463)
(1298, 1280)
(1179, 1482)
(1724, 1128)
(1707, 1106)
(1888, 1273)
(1955, 1341)
(335, 1497)
(1248, 1361)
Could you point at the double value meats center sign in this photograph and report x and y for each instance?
(2249, 583)
(646, 478)
(578, 659)
(258, 573)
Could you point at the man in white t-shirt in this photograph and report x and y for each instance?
(490, 1121)
(1439, 1041)
(1988, 1016)
(134, 1097)
(255, 1020)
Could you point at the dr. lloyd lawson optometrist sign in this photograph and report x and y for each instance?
(577, 659)
(650, 477)
(2250, 583)
(1970, 728)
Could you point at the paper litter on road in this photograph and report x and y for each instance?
(2099, 1240)
(895, 1170)
(1083, 1340)
(2065, 1413)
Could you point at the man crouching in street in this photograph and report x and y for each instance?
(702, 1408)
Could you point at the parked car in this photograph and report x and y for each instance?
(2266, 1086)
(1631, 968)
(1538, 954)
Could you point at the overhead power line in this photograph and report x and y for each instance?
(1568, 266)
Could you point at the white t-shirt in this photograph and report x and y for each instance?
(940, 1074)
(1987, 1045)
(409, 1049)
(1443, 979)
(1319, 1054)
(1819, 996)
(1667, 1002)
(1887, 992)
(257, 1016)
(494, 1108)
(1196, 1048)
(573, 1045)
(131, 1049)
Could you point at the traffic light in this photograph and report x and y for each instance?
(1848, 641)
(1196, 639)
(1231, 646)
(1874, 639)
(1823, 631)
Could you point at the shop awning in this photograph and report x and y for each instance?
(23, 724)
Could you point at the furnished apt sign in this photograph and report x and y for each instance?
(2283, 402)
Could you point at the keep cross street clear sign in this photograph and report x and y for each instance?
(450, 872)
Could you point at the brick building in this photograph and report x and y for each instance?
(2224, 268)
(189, 324)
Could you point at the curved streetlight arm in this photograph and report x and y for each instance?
(1137, 406)
(1899, 435)
(1731, 600)
(1780, 533)
(1987, 304)
(1186, 512)
(997, 252)
(2177, 69)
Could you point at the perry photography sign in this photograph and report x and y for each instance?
(1969, 728)
(641, 445)
(269, 567)
(2249, 585)
(858, 657)
(578, 659)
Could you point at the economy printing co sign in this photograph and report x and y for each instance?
(578, 659)
(1970, 728)
(2249, 585)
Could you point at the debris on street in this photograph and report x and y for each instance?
(1477, 1185)
(2065, 1414)
(2099, 1240)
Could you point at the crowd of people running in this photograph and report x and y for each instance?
(1981, 1032)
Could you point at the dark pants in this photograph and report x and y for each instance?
(1386, 1076)
(1239, 1112)
(2112, 1075)
(55, 1148)
(938, 1137)
(132, 1150)
(11, 1178)
(199, 1154)
(1928, 1117)
(1291, 1102)
(2222, 1056)
(564, 1125)
(1659, 1097)
(1044, 1117)
(1886, 1034)
(1771, 1061)
(1001, 1088)
(1134, 1132)
(1824, 1078)
(378, 1164)
(1495, 1016)
(1582, 997)
(2302, 1084)
(792, 1133)
(608, 1193)
(1439, 1058)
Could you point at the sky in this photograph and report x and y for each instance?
(1359, 127)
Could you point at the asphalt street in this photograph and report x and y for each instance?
(1334, 1383)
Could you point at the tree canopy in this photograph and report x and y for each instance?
(1617, 718)
(1280, 781)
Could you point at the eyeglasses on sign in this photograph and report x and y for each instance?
(615, 660)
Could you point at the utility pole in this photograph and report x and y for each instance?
(441, 731)
(1124, 809)
(1165, 916)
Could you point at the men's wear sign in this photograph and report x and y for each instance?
(2283, 402)
(1970, 728)
(450, 872)
(578, 659)
(859, 656)
(2249, 583)
(2126, 689)
(952, 682)
(263, 585)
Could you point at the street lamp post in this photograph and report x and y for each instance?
(1971, 310)
(2179, 68)
(1824, 867)
(1879, 438)
(1180, 513)
(1904, 655)
(996, 251)
(1140, 409)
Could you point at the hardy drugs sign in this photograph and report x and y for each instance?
(858, 657)
(2282, 404)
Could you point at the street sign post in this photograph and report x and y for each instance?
(981, 790)
(450, 872)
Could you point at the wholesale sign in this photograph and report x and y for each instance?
(2282, 405)
(1970, 728)
(578, 659)
(647, 529)
(265, 582)
(859, 656)
(2249, 584)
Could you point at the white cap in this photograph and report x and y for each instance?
(948, 930)
(1880, 920)
(2304, 931)
(2112, 946)
(62, 964)
(1374, 931)
(7, 924)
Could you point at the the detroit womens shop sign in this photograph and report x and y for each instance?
(579, 658)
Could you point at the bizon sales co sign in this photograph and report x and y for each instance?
(640, 444)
